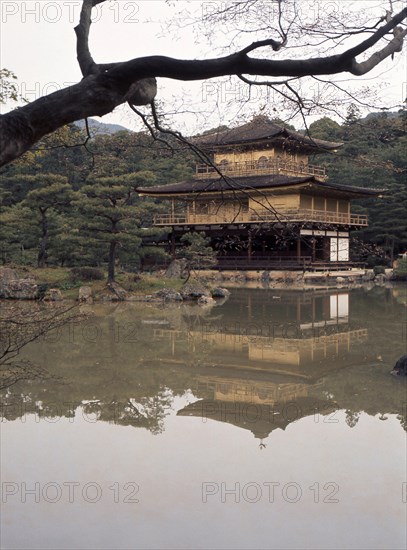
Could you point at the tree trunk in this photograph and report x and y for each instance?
(112, 261)
(42, 253)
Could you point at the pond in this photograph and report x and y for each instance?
(266, 421)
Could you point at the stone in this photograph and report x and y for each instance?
(19, 289)
(380, 278)
(369, 275)
(220, 292)
(7, 274)
(206, 300)
(85, 295)
(388, 274)
(53, 295)
(177, 269)
(167, 294)
(400, 368)
(340, 280)
(191, 291)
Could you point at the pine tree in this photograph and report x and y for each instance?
(110, 215)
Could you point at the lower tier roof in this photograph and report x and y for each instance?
(194, 186)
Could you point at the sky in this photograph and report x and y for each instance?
(38, 44)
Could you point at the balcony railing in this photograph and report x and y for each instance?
(260, 168)
(262, 217)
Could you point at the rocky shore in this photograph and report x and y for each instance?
(207, 286)
(297, 279)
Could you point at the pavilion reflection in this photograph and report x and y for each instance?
(301, 335)
(263, 376)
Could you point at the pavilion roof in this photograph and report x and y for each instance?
(263, 129)
(195, 186)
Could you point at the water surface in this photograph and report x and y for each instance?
(268, 421)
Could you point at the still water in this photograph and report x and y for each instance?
(266, 421)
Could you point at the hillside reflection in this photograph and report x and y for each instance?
(260, 361)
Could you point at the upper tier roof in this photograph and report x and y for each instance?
(250, 183)
(262, 129)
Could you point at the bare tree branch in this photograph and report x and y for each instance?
(104, 87)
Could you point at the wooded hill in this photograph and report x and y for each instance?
(373, 155)
(64, 203)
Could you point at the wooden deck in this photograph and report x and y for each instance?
(302, 215)
(260, 168)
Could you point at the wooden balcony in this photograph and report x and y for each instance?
(302, 215)
(260, 168)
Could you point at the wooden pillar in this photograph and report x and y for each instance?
(313, 242)
(172, 210)
(249, 247)
(298, 248)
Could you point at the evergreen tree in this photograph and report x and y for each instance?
(109, 214)
(52, 195)
(373, 155)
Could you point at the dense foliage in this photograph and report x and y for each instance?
(72, 205)
(373, 155)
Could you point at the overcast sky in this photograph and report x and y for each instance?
(38, 44)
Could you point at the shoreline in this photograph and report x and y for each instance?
(157, 288)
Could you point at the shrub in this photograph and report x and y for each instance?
(400, 272)
(87, 274)
(378, 269)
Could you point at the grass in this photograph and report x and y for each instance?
(146, 284)
(61, 277)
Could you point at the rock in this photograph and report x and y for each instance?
(7, 274)
(340, 280)
(169, 295)
(19, 289)
(400, 368)
(369, 275)
(206, 300)
(220, 292)
(380, 278)
(191, 291)
(177, 269)
(388, 274)
(53, 295)
(85, 295)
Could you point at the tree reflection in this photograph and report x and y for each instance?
(137, 359)
(21, 324)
